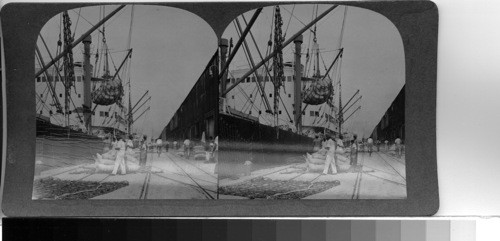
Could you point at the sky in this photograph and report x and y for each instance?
(172, 46)
(373, 59)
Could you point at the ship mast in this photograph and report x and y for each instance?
(298, 85)
(130, 119)
(69, 72)
(87, 100)
(340, 115)
(277, 65)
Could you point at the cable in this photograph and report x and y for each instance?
(289, 20)
(77, 20)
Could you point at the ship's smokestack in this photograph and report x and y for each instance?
(87, 68)
(297, 84)
(223, 45)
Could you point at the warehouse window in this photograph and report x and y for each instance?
(253, 79)
(289, 78)
(79, 96)
(57, 78)
(60, 95)
(250, 95)
(270, 95)
(311, 113)
(44, 79)
(79, 78)
(317, 113)
(38, 79)
(101, 113)
(289, 95)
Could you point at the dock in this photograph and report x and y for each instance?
(167, 176)
(381, 176)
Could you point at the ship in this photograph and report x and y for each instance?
(81, 99)
(81, 106)
(280, 115)
(273, 110)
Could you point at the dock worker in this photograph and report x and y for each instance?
(159, 144)
(120, 157)
(399, 150)
(354, 154)
(370, 145)
(144, 152)
(216, 155)
(330, 145)
(210, 149)
(187, 146)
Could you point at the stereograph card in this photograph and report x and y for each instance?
(264, 109)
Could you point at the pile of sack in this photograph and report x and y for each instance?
(316, 161)
(106, 161)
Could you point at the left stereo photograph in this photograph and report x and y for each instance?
(124, 108)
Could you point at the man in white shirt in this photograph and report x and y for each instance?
(370, 145)
(159, 144)
(187, 146)
(330, 145)
(397, 142)
(120, 157)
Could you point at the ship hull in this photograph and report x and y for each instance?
(242, 140)
(56, 146)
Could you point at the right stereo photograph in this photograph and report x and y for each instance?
(312, 105)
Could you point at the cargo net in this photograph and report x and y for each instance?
(53, 188)
(318, 92)
(110, 92)
(265, 188)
